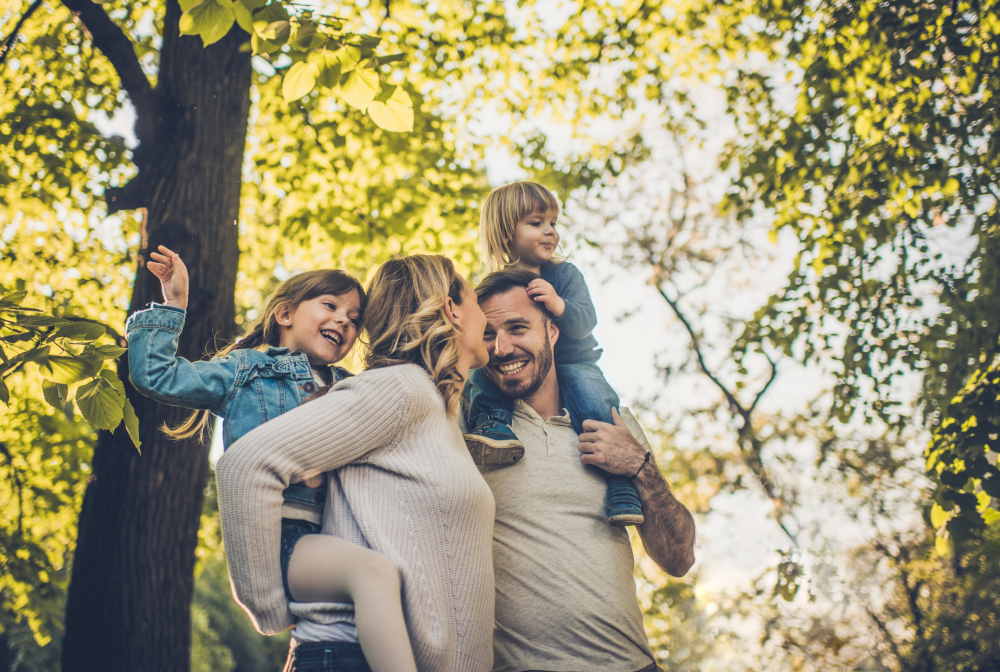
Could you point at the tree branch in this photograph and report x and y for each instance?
(733, 402)
(117, 48)
(12, 38)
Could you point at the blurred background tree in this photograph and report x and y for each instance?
(809, 190)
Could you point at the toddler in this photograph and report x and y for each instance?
(517, 229)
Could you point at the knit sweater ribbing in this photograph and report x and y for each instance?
(405, 486)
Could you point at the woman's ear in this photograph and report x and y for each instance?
(453, 311)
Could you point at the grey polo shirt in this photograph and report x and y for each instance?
(565, 593)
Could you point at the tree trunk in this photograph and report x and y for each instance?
(129, 604)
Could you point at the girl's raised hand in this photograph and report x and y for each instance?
(168, 267)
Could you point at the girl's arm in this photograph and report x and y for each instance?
(357, 416)
(157, 371)
(154, 367)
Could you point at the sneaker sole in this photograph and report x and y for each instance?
(626, 519)
(489, 452)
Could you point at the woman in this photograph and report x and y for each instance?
(405, 485)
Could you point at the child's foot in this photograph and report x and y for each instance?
(493, 442)
(624, 507)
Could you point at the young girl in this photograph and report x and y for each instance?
(310, 322)
(517, 229)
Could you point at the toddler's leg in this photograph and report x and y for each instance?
(327, 569)
(490, 438)
(587, 395)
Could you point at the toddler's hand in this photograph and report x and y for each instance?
(173, 276)
(542, 291)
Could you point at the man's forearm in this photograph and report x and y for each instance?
(668, 533)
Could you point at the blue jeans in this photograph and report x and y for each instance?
(291, 531)
(585, 392)
(326, 657)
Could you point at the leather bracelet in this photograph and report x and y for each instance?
(642, 466)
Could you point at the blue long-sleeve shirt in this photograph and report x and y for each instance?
(576, 325)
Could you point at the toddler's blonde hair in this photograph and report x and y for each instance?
(501, 211)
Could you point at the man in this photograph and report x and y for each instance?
(565, 597)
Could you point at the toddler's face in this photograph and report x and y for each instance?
(324, 328)
(535, 238)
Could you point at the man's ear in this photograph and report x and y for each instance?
(553, 331)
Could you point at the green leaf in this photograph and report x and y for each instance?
(244, 16)
(109, 351)
(349, 58)
(219, 30)
(40, 321)
(277, 31)
(299, 80)
(302, 36)
(4, 392)
(66, 370)
(207, 19)
(132, 424)
(393, 58)
(55, 394)
(111, 378)
(13, 298)
(360, 88)
(101, 404)
(938, 516)
(261, 46)
(264, 17)
(329, 68)
(395, 114)
(81, 331)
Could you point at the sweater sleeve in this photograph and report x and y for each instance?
(579, 317)
(357, 416)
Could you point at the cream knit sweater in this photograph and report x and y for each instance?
(404, 486)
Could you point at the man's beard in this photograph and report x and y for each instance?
(525, 388)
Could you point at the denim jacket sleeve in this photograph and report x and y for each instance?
(157, 371)
(579, 317)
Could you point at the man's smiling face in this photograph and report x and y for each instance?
(519, 339)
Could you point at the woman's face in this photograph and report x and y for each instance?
(469, 317)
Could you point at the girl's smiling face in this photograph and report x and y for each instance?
(324, 328)
(535, 239)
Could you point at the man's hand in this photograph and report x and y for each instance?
(173, 275)
(611, 447)
(544, 292)
(668, 533)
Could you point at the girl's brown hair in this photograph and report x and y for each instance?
(407, 322)
(265, 330)
(499, 214)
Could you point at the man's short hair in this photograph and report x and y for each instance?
(503, 281)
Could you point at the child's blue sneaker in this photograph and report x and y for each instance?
(493, 442)
(624, 507)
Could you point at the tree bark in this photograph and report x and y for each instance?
(129, 603)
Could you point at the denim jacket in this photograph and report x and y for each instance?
(246, 387)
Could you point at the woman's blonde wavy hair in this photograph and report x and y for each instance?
(406, 322)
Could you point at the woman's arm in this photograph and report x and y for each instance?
(357, 416)
(157, 371)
